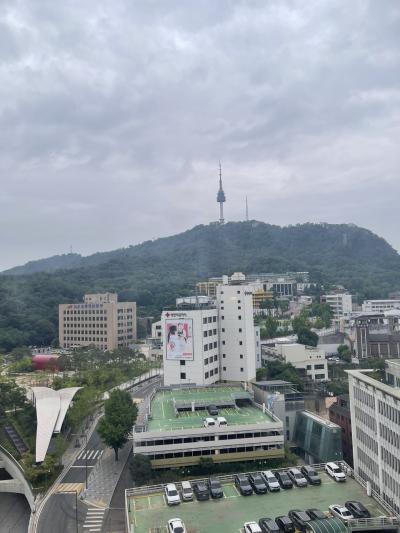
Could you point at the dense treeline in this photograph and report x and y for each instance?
(155, 272)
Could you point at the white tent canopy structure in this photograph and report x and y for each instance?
(51, 408)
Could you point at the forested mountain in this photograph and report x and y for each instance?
(155, 272)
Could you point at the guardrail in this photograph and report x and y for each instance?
(364, 523)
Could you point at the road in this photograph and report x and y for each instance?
(59, 513)
(14, 513)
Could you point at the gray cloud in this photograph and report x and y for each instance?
(114, 114)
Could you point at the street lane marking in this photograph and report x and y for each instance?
(96, 454)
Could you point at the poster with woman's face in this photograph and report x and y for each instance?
(179, 339)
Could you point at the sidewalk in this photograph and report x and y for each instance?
(71, 452)
(104, 477)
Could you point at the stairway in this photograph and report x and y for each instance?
(15, 439)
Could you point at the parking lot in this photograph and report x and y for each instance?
(149, 513)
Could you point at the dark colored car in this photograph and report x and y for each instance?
(243, 485)
(215, 488)
(258, 484)
(316, 514)
(300, 519)
(268, 525)
(311, 475)
(357, 509)
(285, 524)
(213, 410)
(201, 491)
(284, 480)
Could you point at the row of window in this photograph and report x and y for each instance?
(209, 320)
(207, 438)
(316, 367)
(368, 441)
(364, 397)
(394, 486)
(392, 437)
(209, 332)
(365, 418)
(210, 346)
(211, 373)
(86, 338)
(223, 318)
(224, 369)
(390, 460)
(372, 466)
(197, 453)
(391, 413)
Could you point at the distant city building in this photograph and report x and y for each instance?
(99, 321)
(378, 335)
(392, 372)
(375, 422)
(340, 303)
(306, 358)
(319, 440)
(379, 306)
(339, 413)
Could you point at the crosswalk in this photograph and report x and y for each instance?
(67, 488)
(90, 455)
(93, 520)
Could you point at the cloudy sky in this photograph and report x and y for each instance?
(114, 115)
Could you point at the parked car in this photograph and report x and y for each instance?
(209, 422)
(172, 494)
(297, 477)
(175, 525)
(252, 527)
(271, 481)
(285, 524)
(243, 485)
(357, 509)
(215, 488)
(201, 491)
(213, 410)
(268, 525)
(258, 483)
(311, 475)
(335, 472)
(340, 512)
(316, 514)
(221, 421)
(300, 519)
(187, 491)
(284, 480)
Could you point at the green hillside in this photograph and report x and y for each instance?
(155, 272)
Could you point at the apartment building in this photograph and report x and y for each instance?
(339, 413)
(190, 346)
(309, 359)
(379, 306)
(236, 332)
(340, 303)
(100, 321)
(375, 422)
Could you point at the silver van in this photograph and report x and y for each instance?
(187, 491)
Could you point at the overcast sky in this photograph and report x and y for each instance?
(114, 115)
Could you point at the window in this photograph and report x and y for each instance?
(239, 307)
(183, 363)
(206, 361)
(223, 342)
(240, 317)
(224, 368)
(204, 333)
(319, 367)
(241, 369)
(222, 301)
(308, 367)
(223, 330)
(223, 356)
(319, 376)
(240, 330)
(241, 356)
(183, 375)
(240, 343)
(204, 321)
(215, 344)
(222, 318)
(222, 307)
(206, 375)
(211, 372)
(206, 347)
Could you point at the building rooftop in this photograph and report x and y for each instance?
(362, 375)
(148, 512)
(170, 408)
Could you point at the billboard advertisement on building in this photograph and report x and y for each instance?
(179, 337)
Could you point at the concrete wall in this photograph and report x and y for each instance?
(18, 484)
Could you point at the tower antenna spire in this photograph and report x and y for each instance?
(221, 197)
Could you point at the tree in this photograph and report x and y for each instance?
(307, 337)
(344, 352)
(270, 328)
(119, 416)
(140, 469)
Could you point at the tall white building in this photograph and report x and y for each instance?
(236, 332)
(379, 306)
(190, 346)
(375, 422)
(341, 305)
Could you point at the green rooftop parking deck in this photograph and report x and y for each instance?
(148, 513)
(164, 417)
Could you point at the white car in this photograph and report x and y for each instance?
(209, 422)
(187, 491)
(340, 512)
(335, 472)
(271, 481)
(172, 494)
(175, 525)
(252, 527)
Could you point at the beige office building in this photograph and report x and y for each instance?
(100, 321)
